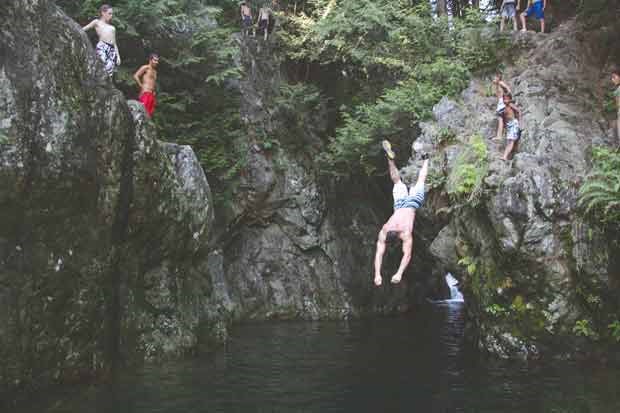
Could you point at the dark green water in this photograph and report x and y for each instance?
(409, 364)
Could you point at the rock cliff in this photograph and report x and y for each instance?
(101, 225)
(294, 245)
(528, 259)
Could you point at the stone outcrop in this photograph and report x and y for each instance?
(295, 245)
(528, 258)
(101, 225)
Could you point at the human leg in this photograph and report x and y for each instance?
(500, 128)
(423, 173)
(508, 150)
(542, 25)
(523, 23)
(394, 174)
(501, 24)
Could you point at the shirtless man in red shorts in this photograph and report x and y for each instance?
(145, 77)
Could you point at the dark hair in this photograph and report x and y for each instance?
(391, 236)
(104, 8)
(616, 72)
(508, 95)
(153, 56)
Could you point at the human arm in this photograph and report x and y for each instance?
(505, 87)
(118, 54)
(138, 75)
(90, 25)
(544, 4)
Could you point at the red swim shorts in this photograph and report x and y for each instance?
(149, 102)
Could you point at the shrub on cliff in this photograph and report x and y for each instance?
(404, 60)
(600, 195)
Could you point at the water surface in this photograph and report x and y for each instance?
(414, 363)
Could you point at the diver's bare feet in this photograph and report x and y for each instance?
(378, 280)
(396, 278)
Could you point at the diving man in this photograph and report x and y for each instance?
(400, 224)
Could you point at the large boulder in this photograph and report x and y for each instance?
(101, 225)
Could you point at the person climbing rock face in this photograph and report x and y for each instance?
(146, 77)
(400, 224)
(509, 11)
(511, 115)
(501, 87)
(107, 50)
(537, 8)
(615, 79)
(246, 18)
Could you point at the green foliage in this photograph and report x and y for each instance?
(299, 108)
(583, 328)
(614, 330)
(496, 310)
(600, 195)
(465, 181)
(3, 139)
(400, 53)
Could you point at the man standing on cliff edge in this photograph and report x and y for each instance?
(146, 77)
(400, 224)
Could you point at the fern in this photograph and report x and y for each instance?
(600, 195)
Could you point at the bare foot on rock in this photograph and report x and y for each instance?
(378, 281)
(396, 279)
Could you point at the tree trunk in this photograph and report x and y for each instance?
(442, 7)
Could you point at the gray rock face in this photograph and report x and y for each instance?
(100, 224)
(526, 262)
(294, 246)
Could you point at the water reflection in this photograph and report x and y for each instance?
(409, 364)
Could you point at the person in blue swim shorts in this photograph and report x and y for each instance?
(537, 8)
(400, 224)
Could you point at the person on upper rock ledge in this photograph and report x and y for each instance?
(246, 18)
(536, 7)
(107, 50)
(146, 77)
(509, 11)
(400, 224)
(264, 17)
(615, 79)
(510, 117)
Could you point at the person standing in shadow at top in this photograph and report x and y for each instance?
(264, 15)
(246, 18)
(107, 50)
